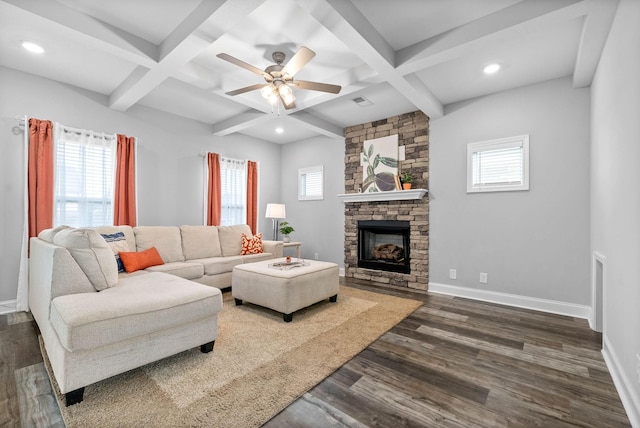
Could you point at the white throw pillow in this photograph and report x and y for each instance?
(93, 255)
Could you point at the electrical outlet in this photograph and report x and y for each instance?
(315, 256)
(484, 278)
(452, 274)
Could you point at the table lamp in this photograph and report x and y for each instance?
(275, 212)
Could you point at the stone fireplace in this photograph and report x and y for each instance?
(413, 272)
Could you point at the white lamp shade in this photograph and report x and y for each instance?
(275, 211)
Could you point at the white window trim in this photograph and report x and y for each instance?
(501, 143)
(301, 173)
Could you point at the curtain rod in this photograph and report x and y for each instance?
(22, 124)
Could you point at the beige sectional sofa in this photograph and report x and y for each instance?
(204, 254)
(96, 323)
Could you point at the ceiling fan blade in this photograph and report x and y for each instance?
(247, 89)
(303, 56)
(316, 86)
(244, 65)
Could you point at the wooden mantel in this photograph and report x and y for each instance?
(393, 195)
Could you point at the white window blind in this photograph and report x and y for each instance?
(233, 185)
(84, 177)
(498, 165)
(311, 183)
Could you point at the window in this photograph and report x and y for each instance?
(311, 183)
(233, 186)
(498, 165)
(84, 168)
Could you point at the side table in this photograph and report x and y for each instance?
(297, 245)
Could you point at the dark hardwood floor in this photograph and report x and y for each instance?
(461, 363)
(453, 362)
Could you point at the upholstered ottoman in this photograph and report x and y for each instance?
(284, 291)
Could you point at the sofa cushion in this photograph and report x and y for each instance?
(186, 270)
(134, 261)
(231, 238)
(135, 307)
(218, 265)
(48, 234)
(93, 255)
(166, 239)
(251, 258)
(200, 242)
(251, 244)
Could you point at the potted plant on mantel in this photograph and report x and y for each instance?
(406, 179)
(285, 230)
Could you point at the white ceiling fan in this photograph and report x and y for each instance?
(279, 78)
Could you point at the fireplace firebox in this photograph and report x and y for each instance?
(384, 245)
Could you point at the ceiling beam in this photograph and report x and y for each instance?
(347, 23)
(210, 20)
(240, 122)
(595, 30)
(317, 124)
(505, 24)
(97, 33)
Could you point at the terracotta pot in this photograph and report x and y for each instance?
(406, 186)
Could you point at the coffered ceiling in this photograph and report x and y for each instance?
(400, 55)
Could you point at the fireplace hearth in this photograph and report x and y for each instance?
(384, 245)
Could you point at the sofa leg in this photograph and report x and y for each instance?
(74, 397)
(207, 347)
(287, 317)
(333, 298)
(238, 302)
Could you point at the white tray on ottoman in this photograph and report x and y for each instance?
(285, 290)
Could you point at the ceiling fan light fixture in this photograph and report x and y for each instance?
(267, 91)
(273, 99)
(287, 94)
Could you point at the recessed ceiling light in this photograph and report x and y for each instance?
(279, 130)
(32, 47)
(491, 68)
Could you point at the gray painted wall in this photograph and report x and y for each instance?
(532, 243)
(319, 224)
(615, 198)
(170, 168)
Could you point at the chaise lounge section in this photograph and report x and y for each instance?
(96, 323)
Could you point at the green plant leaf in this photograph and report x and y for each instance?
(370, 150)
(376, 161)
(368, 182)
(370, 171)
(390, 162)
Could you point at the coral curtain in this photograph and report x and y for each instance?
(40, 175)
(124, 207)
(214, 199)
(252, 195)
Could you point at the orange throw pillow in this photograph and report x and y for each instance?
(251, 244)
(137, 261)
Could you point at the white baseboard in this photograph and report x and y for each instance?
(628, 396)
(543, 305)
(7, 307)
(341, 271)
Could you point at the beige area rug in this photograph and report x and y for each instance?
(259, 365)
